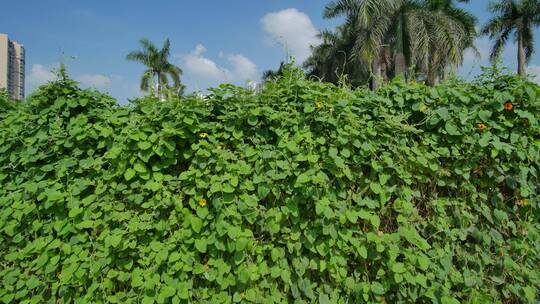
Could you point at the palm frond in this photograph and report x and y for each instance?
(138, 56)
(146, 80)
(148, 46)
(500, 42)
(175, 73)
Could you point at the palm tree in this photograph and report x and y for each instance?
(158, 65)
(394, 35)
(270, 75)
(517, 17)
(463, 24)
(334, 58)
(368, 21)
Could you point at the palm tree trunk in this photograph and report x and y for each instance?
(159, 85)
(432, 77)
(376, 74)
(521, 55)
(400, 64)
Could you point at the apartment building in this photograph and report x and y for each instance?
(12, 67)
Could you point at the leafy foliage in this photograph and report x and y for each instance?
(306, 192)
(6, 103)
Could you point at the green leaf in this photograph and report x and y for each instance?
(263, 191)
(113, 240)
(253, 120)
(376, 187)
(324, 299)
(362, 251)
(139, 167)
(451, 128)
(308, 107)
(351, 216)
(302, 179)
(313, 158)
(227, 188)
(485, 139)
(443, 113)
(399, 268)
(469, 278)
(484, 115)
(423, 262)
(421, 280)
(129, 174)
(32, 283)
(174, 256)
(530, 293)
(241, 244)
(196, 224)
(54, 195)
(143, 145)
(377, 288)
(201, 244)
(375, 221)
(449, 300)
(75, 211)
(148, 300)
(167, 291)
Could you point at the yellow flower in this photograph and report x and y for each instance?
(319, 104)
(523, 202)
(202, 202)
(423, 108)
(203, 135)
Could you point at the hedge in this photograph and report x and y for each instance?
(305, 192)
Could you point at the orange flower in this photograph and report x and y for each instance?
(508, 106)
(481, 126)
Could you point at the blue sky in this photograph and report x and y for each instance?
(213, 41)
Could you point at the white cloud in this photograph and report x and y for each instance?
(200, 66)
(94, 80)
(243, 68)
(39, 75)
(202, 72)
(534, 71)
(292, 28)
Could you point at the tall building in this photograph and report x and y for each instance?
(12, 67)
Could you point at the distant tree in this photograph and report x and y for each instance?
(174, 92)
(270, 75)
(334, 58)
(517, 17)
(394, 36)
(462, 24)
(157, 62)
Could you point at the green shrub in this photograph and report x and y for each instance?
(305, 192)
(6, 103)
